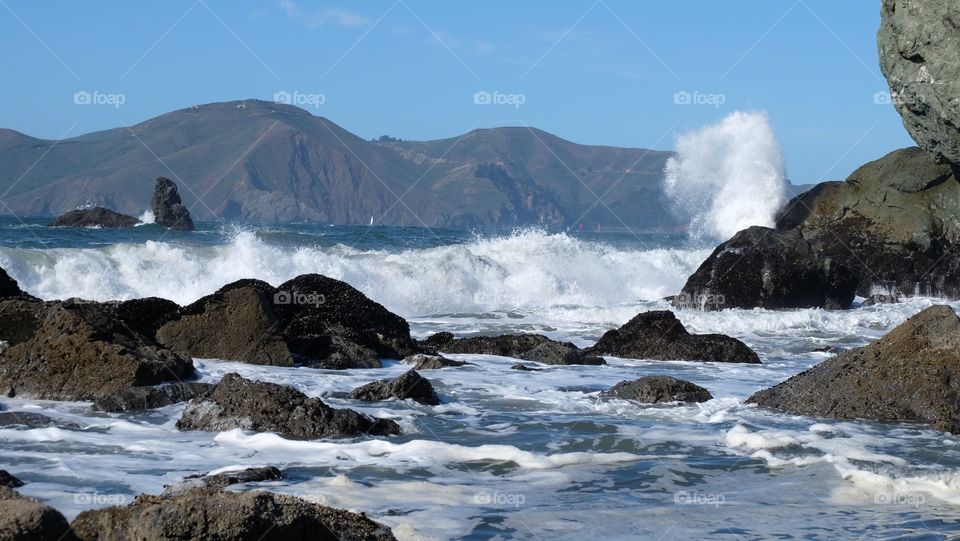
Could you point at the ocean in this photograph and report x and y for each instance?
(509, 454)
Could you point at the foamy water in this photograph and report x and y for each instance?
(509, 455)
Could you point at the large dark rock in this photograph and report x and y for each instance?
(94, 217)
(211, 514)
(147, 398)
(238, 325)
(422, 361)
(656, 389)
(410, 385)
(267, 407)
(767, 268)
(167, 208)
(29, 419)
(918, 44)
(225, 479)
(529, 347)
(910, 374)
(9, 288)
(8, 480)
(78, 350)
(659, 335)
(895, 223)
(144, 316)
(26, 519)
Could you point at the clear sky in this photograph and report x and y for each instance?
(597, 72)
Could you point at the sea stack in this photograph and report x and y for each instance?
(168, 209)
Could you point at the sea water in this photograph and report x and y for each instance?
(509, 454)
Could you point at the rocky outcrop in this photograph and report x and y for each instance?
(410, 385)
(656, 389)
(267, 407)
(659, 335)
(9, 288)
(94, 217)
(529, 347)
(422, 361)
(211, 514)
(767, 268)
(895, 223)
(908, 375)
(918, 51)
(8, 480)
(143, 316)
(168, 209)
(310, 320)
(29, 419)
(78, 350)
(26, 519)
(147, 398)
(237, 324)
(225, 479)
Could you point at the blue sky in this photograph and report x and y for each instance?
(597, 72)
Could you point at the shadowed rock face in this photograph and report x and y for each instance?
(145, 398)
(212, 514)
(529, 347)
(656, 389)
(410, 385)
(918, 45)
(168, 209)
(78, 350)
(767, 268)
(911, 374)
(26, 519)
(660, 335)
(268, 407)
(95, 217)
(9, 288)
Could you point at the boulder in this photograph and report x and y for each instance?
(212, 514)
(410, 385)
(767, 268)
(144, 316)
(147, 398)
(267, 407)
(528, 347)
(908, 375)
(237, 324)
(9, 288)
(918, 49)
(224, 479)
(29, 419)
(8, 480)
(894, 223)
(94, 217)
(168, 209)
(77, 350)
(659, 335)
(524, 368)
(656, 389)
(422, 361)
(26, 519)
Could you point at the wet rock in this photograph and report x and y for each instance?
(211, 514)
(339, 353)
(94, 217)
(917, 42)
(267, 407)
(168, 209)
(908, 375)
(432, 362)
(77, 350)
(659, 335)
(9, 288)
(8, 480)
(656, 389)
(147, 398)
(26, 519)
(238, 324)
(560, 353)
(410, 385)
(224, 479)
(144, 316)
(431, 344)
(767, 268)
(524, 368)
(29, 419)
(529, 347)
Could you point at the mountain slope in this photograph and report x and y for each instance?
(258, 161)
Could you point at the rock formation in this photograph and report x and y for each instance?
(168, 210)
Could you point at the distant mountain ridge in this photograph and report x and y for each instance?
(263, 162)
